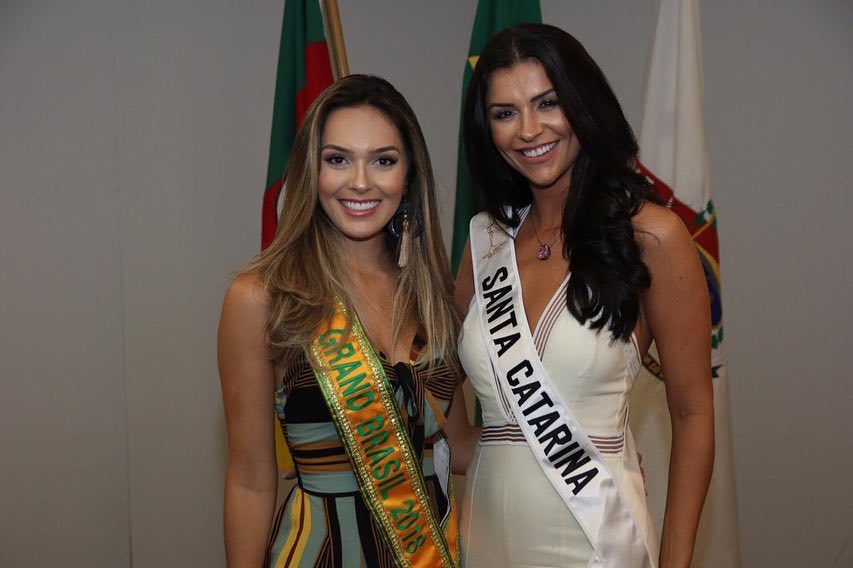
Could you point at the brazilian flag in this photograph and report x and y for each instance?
(492, 16)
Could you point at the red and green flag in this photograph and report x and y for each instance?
(492, 16)
(304, 70)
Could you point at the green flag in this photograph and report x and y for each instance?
(492, 16)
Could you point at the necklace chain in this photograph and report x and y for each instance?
(544, 248)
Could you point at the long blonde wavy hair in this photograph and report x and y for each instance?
(303, 269)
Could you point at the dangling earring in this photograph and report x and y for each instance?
(405, 226)
(405, 242)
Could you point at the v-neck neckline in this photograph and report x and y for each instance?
(554, 295)
(412, 347)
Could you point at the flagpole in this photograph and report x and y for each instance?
(336, 38)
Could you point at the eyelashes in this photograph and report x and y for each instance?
(544, 104)
(338, 160)
(335, 160)
(385, 161)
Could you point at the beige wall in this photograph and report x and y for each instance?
(133, 139)
(63, 436)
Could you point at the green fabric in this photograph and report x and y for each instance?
(303, 25)
(492, 16)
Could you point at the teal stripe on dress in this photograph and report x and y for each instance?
(350, 543)
(329, 482)
(301, 433)
(351, 551)
(285, 528)
(318, 532)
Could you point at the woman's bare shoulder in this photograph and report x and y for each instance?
(247, 295)
(659, 230)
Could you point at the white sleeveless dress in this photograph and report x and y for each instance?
(511, 515)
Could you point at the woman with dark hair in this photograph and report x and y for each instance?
(605, 270)
(345, 325)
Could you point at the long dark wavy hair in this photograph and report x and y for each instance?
(608, 273)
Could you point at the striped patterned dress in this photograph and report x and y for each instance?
(324, 522)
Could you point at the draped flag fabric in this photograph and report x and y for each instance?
(673, 156)
(304, 70)
(492, 16)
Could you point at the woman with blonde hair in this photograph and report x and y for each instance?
(345, 325)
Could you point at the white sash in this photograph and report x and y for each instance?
(569, 460)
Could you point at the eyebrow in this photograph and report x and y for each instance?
(391, 148)
(372, 151)
(532, 99)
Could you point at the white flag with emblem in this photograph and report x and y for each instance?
(673, 156)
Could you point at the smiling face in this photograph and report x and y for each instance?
(529, 127)
(363, 167)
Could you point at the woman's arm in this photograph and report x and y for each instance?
(246, 373)
(677, 310)
(463, 288)
(460, 433)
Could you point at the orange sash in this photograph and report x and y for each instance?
(365, 412)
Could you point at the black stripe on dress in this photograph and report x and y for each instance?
(334, 531)
(318, 452)
(369, 548)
